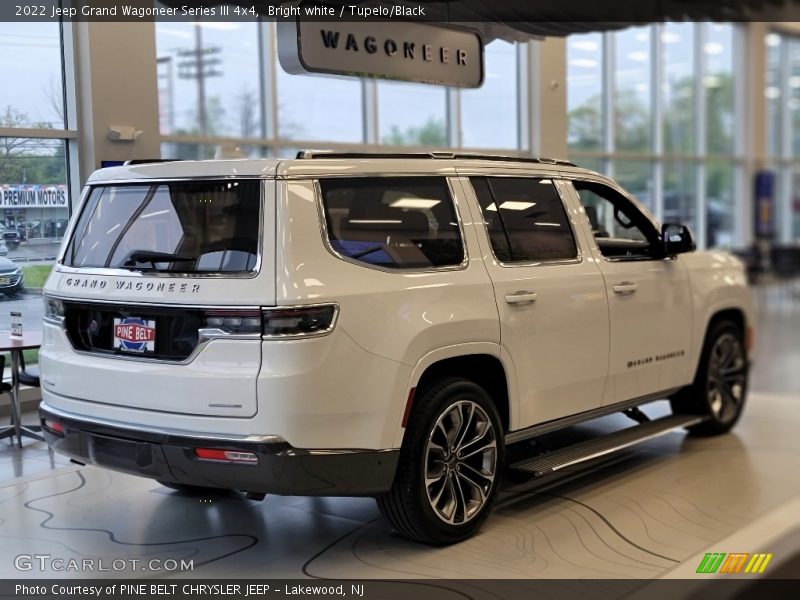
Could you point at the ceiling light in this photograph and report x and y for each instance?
(517, 205)
(587, 45)
(637, 56)
(376, 221)
(414, 203)
(583, 63)
(669, 37)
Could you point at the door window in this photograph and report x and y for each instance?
(620, 229)
(525, 218)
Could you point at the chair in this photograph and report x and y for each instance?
(5, 388)
(29, 376)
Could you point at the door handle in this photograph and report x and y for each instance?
(521, 297)
(625, 288)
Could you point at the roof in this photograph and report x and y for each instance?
(316, 164)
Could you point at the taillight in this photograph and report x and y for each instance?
(54, 427)
(299, 320)
(233, 321)
(232, 456)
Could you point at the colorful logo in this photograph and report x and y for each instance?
(134, 334)
(733, 563)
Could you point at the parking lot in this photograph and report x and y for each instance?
(28, 303)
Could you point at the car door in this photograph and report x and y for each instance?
(551, 300)
(648, 293)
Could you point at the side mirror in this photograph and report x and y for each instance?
(677, 239)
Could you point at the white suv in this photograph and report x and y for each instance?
(381, 325)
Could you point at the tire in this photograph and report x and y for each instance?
(462, 487)
(719, 390)
(191, 490)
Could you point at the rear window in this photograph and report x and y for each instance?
(393, 222)
(185, 227)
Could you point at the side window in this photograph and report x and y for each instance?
(393, 222)
(619, 228)
(525, 218)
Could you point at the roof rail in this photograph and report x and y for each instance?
(147, 161)
(311, 154)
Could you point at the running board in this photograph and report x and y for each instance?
(597, 447)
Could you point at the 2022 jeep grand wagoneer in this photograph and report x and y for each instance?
(377, 325)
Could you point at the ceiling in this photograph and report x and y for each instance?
(520, 20)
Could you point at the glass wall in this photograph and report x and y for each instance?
(221, 84)
(655, 107)
(33, 176)
(34, 146)
(782, 95)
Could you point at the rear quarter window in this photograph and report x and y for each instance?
(393, 222)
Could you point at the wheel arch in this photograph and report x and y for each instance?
(480, 363)
(736, 315)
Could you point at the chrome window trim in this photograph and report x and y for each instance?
(118, 301)
(540, 263)
(323, 224)
(115, 271)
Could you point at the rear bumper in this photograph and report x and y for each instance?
(281, 469)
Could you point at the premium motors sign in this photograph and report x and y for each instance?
(383, 49)
(32, 196)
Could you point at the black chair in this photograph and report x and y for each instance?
(5, 388)
(29, 376)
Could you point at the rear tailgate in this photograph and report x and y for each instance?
(147, 332)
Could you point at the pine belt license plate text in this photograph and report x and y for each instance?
(134, 334)
(4, 280)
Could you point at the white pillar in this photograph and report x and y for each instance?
(117, 83)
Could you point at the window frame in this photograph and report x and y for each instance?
(325, 233)
(645, 215)
(558, 181)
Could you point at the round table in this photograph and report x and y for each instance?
(30, 340)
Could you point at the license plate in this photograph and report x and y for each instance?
(134, 334)
(4, 280)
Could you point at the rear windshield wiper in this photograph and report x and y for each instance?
(149, 256)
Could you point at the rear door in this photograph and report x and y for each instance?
(551, 299)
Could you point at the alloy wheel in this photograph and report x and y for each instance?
(727, 377)
(460, 462)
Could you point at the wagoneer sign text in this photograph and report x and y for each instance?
(388, 50)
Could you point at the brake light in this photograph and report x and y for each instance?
(234, 321)
(54, 427)
(299, 320)
(232, 456)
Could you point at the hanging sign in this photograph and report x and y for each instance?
(400, 50)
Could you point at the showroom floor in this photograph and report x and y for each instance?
(647, 513)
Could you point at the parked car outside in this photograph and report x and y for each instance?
(12, 279)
